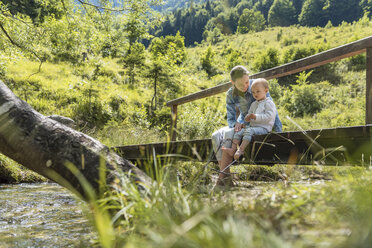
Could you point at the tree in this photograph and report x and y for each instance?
(339, 11)
(251, 20)
(68, 157)
(282, 13)
(312, 14)
(207, 62)
(297, 4)
(263, 6)
(233, 59)
(267, 60)
(243, 5)
(134, 59)
(366, 6)
(36, 10)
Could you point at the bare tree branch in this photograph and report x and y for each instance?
(100, 7)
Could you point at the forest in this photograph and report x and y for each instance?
(210, 19)
(112, 68)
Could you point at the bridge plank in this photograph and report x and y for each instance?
(330, 146)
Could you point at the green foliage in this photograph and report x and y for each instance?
(234, 58)
(366, 6)
(171, 48)
(2, 70)
(299, 52)
(207, 62)
(357, 62)
(198, 122)
(282, 13)
(134, 60)
(303, 99)
(251, 20)
(36, 10)
(338, 11)
(91, 111)
(214, 36)
(312, 14)
(268, 59)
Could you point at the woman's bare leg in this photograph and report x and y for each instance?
(225, 161)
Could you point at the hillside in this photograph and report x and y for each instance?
(209, 19)
(99, 97)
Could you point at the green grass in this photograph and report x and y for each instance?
(183, 210)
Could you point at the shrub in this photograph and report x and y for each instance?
(295, 53)
(207, 62)
(303, 99)
(267, 60)
(357, 62)
(233, 59)
(198, 123)
(92, 113)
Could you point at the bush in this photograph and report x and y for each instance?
(92, 113)
(233, 59)
(295, 53)
(267, 60)
(194, 122)
(207, 62)
(355, 63)
(303, 99)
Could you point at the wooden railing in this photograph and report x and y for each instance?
(335, 54)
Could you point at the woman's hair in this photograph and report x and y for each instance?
(238, 72)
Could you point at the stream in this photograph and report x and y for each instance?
(42, 215)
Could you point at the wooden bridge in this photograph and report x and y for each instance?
(330, 146)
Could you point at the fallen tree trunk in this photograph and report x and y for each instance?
(56, 151)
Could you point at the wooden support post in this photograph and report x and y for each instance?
(174, 123)
(369, 86)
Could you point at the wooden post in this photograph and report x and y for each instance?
(174, 123)
(369, 86)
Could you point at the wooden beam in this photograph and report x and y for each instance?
(332, 55)
(174, 123)
(331, 146)
(201, 94)
(369, 86)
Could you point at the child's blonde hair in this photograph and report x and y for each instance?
(261, 81)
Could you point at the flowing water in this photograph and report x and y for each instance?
(42, 215)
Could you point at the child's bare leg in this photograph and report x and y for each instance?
(231, 150)
(240, 151)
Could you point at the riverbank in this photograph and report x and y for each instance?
(12, 172)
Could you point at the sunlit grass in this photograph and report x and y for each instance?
(291, 212)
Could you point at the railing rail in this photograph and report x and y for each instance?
(325, 57)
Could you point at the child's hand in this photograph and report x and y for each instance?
(238, 127)
(250, 117)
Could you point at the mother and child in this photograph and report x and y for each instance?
(250, 111)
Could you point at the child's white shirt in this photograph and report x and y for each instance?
(265, 112)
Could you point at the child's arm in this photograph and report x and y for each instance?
(268, 115)
(250, 115)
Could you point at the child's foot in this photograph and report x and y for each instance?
(238, 154)
(229, 151)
